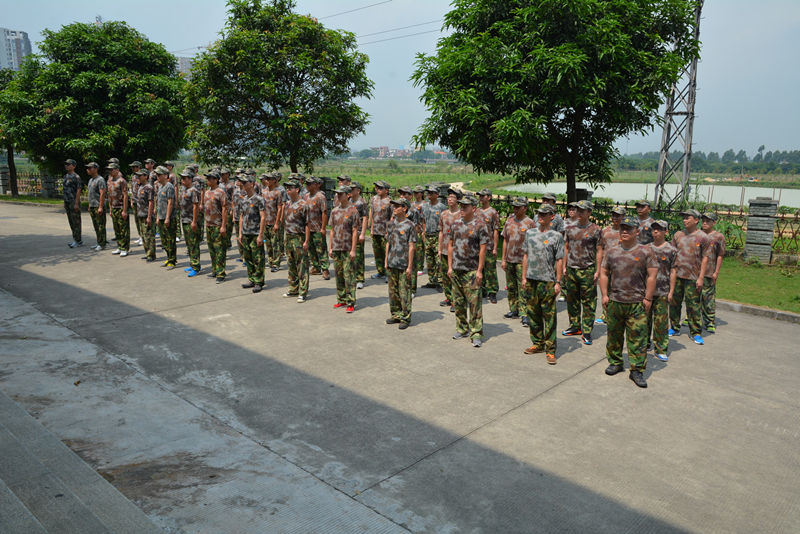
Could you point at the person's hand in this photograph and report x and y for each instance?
(100, 210)
(124, 214)
(77, 208)
(166, 221)
(596, 275)
(605, 302)
(149, 221)
(305, 245)
(408, 273)
(524, 283)
(275, 228)
(557, 288)
(478, 279)
(714, 277)
(361, 238)
(259, 241)
(669, 298)
(503, 265)
(352, 254)
(647, 304)
(450, 273)
(330, 253)
(699, 284)
(222, 230)
(194, 226)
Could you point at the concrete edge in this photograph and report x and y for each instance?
(19, 203)
(769, 313)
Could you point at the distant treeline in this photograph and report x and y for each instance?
(730, 162)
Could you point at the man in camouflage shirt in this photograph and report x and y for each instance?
(252, 226)
(400, 247)
(145, 208)
(342, 244)
(583, 253)
(558, 223)
(415, 216)
(190, 220)
(216, 219)
(229, 187)
(419, 250)
(298, 235)
(363, 213)
(466, 252)
(690, 267)
(716, 253)
(513, 252)
(132, 195)
(318, 222)
(72, 202)
(237, 194)
(542, 269)
(492, 220)
(645, 221)
(627, 282)
(665, 286)
(431, 212)
(96, 190)
(379, 215)
(176, 183)
(166, 202)
(446, 221)
(117, 189)
(273, 202)
(609, 237)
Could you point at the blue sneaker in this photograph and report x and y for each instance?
(662, 357)
(672, 332)
(699, 340)
(192, 273)
(186, 270)
(587, 339)
(599, 320)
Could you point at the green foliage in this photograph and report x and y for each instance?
(96, 91)
(542, 89)
(278, 87)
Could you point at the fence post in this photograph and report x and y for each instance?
(761, 228)
(49, 186)
(5, 180)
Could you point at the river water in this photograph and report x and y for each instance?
(722, 194)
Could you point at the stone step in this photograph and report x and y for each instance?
(15, 516)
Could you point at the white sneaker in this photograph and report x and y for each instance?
(116, 251)
(419, 273)
(96, 247)
(123, 253)
(139, 242)
(360, 285)
(413, 295)
(562, 298)
(177, 239)
(301, 298)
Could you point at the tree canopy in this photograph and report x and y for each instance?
(96, 91)
(277, 88)
(542, 89)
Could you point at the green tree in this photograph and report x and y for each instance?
(7, 137)
(729, 156)
(713, 157)
(278, 88)
(96, 91)
(541, 89)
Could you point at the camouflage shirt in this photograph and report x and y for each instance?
(381, 214)
(467, 239)
(96, 185)
(165, 193)
(543, 249)
(116, 191)
(363, 210)
(295, 216)
(251, 213)
(446, 221)
(514, 237)
(229, 188)
(189, 197)
(215, 200)
(716, 248)
(431, 214)
(691, 250)
(645, 230)
(582, 241)
(144, 196)
(627, 272)
(317, 205)
(665, 255)
(419, 207)
(272, 202)
(236, 199)
(556, 224)
(72, 186)
(401, 233)
(609, 237)
(490, 218)
(343, 222)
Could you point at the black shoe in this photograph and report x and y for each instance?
(525, 321)
(431, 285)
(511, 315)
(220, 279)
(392, 320)
(459, 335)
(439, 289)
(452, 309)
(493, 298)
(402, 326)
(444, 303)
(378, 276)
(273, 269)
(572, 331)
(638, 379)
(247, 285)
(150, 260)
(257, 289)
(211, 275)
(613, 369)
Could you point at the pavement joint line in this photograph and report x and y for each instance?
(166, 388)
(482, 426)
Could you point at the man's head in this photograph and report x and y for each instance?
(617, 213)
(628, 231)
(186, 178)
(343, 179)
(467, 205)
(643, 208)
(355, 189)
(92, 168)
(149, 164)
(141, 176)
(169, 165)
(212, 177)
(433, 195)
(419, 192)
(69, 165)
(292, 189)
(406, 192)
(659, 229)
(135, 166)
(709, 219)
(162, 173)
(546, 214)
(549, 198)
(691, 217)
(453, 196)
(400, 207)
(381, 188)
(113, 169)
(485, 197)
(520, 206)
(572, 210)
(343, 194)
(584, 210)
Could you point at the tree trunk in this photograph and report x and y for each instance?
(571, 165)
(293, 161)
(12, 171)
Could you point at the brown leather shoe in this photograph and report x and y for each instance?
(551, 359)
(326, 275)
(314, 271)
(533, 349)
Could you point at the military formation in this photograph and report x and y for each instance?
(644, 281)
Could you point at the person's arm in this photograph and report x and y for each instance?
(169, 211)
(370, 222)
(566, 257)
(559, 267)
(354, 243)
(603, 283)
(195, 211)
(652, 274)
(261, 227)
(449, 257)
(703, 267)
(720, 257)
(481, 263)
(78, 196)
(102, 200)
(124, 202)
(412, 247)
(308, 236)
(495, 237)
(330, 242)
(324, 217)
(363, 235)
(598, 260)
(673, 278)
(525, 270)
(150, 209)
(278, 217)
(386, 252)
(224, 226)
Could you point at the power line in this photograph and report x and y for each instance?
(398, 37)
(352, 10)
(401, 28)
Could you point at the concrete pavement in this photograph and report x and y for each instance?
(372, 426)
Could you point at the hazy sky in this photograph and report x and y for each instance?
(748, 79)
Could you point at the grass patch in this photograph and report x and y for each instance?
(771, 286)
(31, 198)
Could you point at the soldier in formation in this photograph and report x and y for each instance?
(665, 287)
(716, 253)
(318, 222)
(401, 263)
(492, 220)
(298, 236)
(166, 201)
(252, 224)
(513, 255)
(446, 221)
(96, 190)
(691, 263)
(145, 212)
(363, 213)
(117, 189)
(190, 207)
(583, 254)
(379, 215)
(432, 212)
(342, 244)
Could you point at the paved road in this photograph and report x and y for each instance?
(301, 412)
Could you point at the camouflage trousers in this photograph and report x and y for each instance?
(148, 237)
(432, 257)
(659, 319)
(274, 249)
(581, 296)
(297, 258)
(168, 244)
(419, 254)
(236, 233)
(399, 295)
(99, 223)
(318, 251)
(253, 258)
(192, 238)
(178, 225)
(358, 263)
(490, 284)
(468, 304)
(229, 235)
(217, 250)
(709, 300)
(379, 251)
(74, 218)
(281, 240)
(136, 221)
(345, 277)
(627, 320)
(686, 290)
(445, 281)
(541, 312)
(516, 295)
(122, 229)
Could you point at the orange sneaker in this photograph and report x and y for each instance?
(551, 359)
(533, 349)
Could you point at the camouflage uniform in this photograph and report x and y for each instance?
(215, 199)
(556, 224)
(363, 212)
(238, 193)
(381, 214)
(116, 190)
(659, 312)
(627, 274)
(189, 198)
(492, 221)
(579, 280)
(166, 193)
(144, 196)
(295, 217)
(273, 200)
(543, 250)
(691, 250)
(401, 233)
(250, 219)
(419, 251)
(716, 248)
(467, 238)
(645, 231)
(229, 187)
(96, 185)
(281, 229)
(513, 240)
(609, 237)
(72, 188)
(199, 183)
(431, 214)
(318, 248)
(446, 221)
(132, 195)
(344, 221)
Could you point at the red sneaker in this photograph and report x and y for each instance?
(339, 305)
(351, 309)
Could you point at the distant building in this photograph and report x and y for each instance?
(185, 66)
(14, 46)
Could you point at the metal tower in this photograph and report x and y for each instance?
(678, 126)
